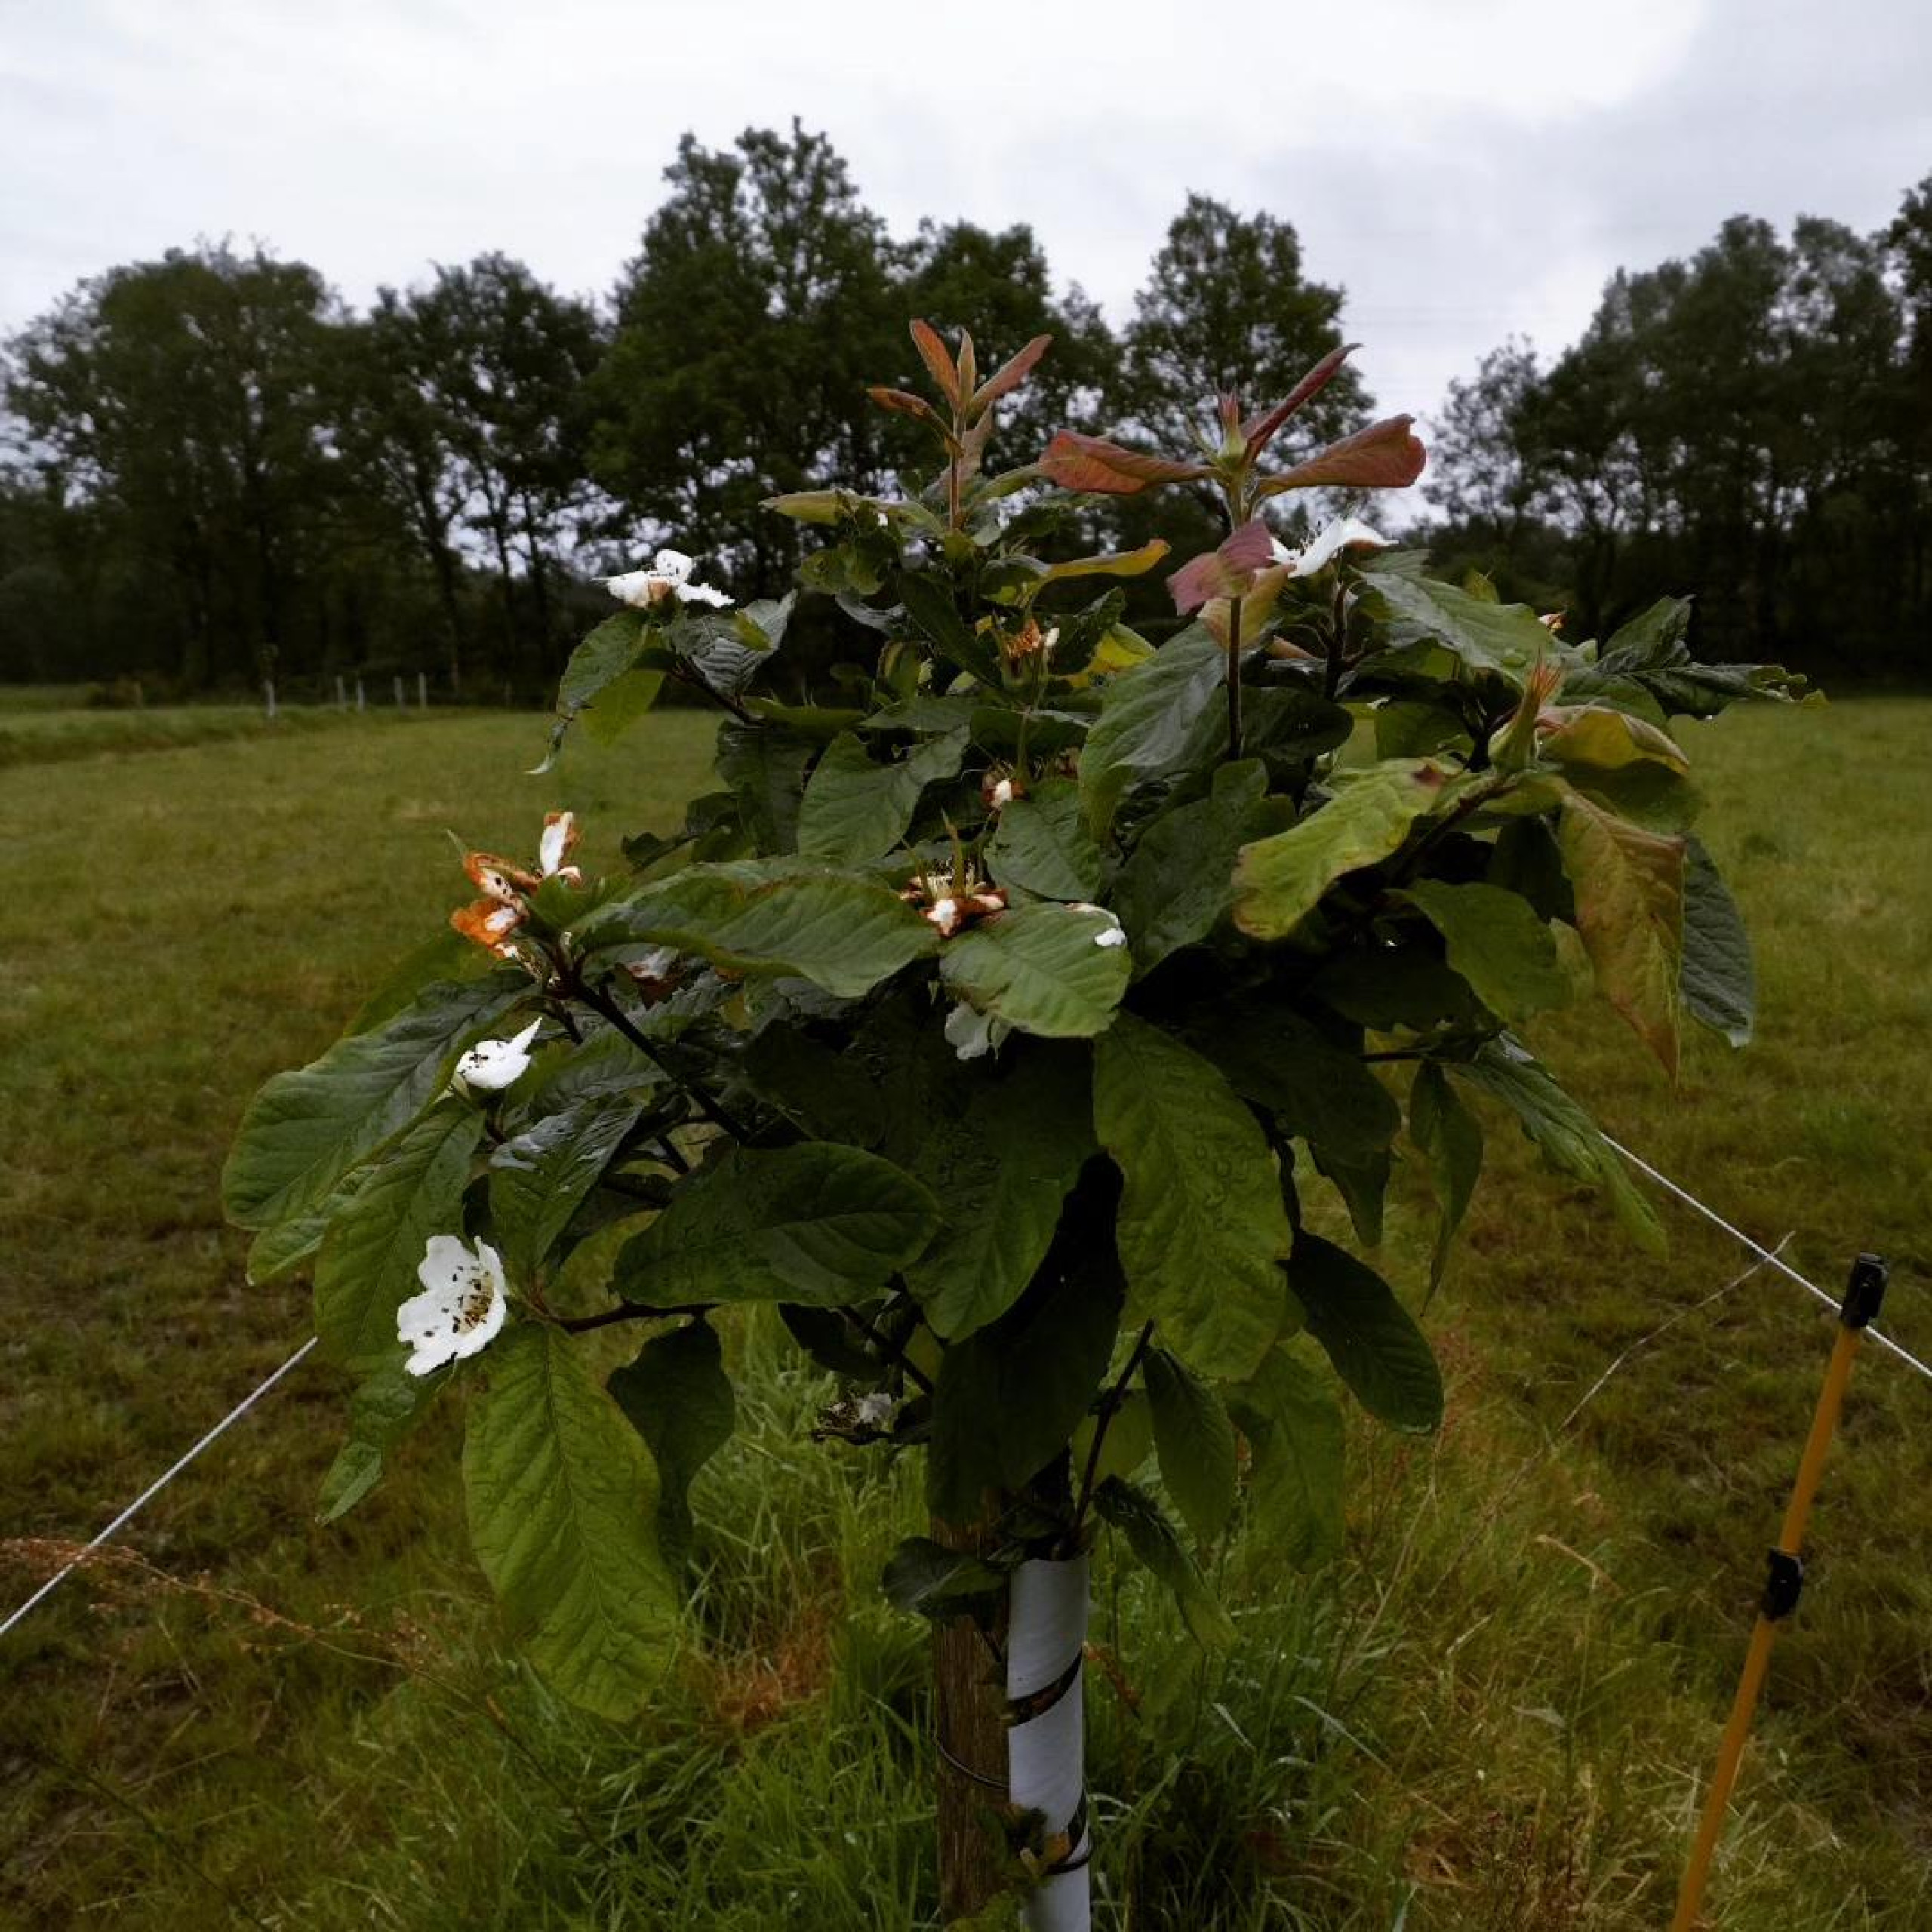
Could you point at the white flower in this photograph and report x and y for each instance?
(874, 1410)
(1001, 796)
(1113, 934)
(460, 1308)
(670, 576)
(492, 1065)
(1346, 533)
(972, 1033)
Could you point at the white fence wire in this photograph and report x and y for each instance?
(1765, 1254)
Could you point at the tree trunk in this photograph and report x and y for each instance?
(969, 1708)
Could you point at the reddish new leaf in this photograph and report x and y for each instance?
(1385, 455)
(1004, 381)
(1225, 572)
(1075, 462)
(1258, 431)
(904, 402)
(932, 351)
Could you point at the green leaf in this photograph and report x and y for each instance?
(1040, 968)
(1497, 943)
(1509, 639)
(1362, 1181)
(1450, 1138)
(1295, 1439)
(1043, 845)
(367, 1268)
(765, 766)
(678, 1397)
(1009, 1397)
(1201, 1226)
(1195, 1443)
(1369, 1337)
(1630, 889)
(823, 1087)
(539, 1179)
(1158, 719)
(1179, 882)
(1719, 985)
(856, 809)
(278, 1251)
(929, 604)
(1278, 881)
(925, 1579)
(562, 1494)
(309, 1127)
(1595, 738)
(1000, 1166)
(382, 1409)
(1118, 563)
(843, 933)
(621, 703)
(1152, 1538)
(1649, 653)
(820, 1224)
(1316, 1090)
(1409, 985)
(603, 657)
(1566, 1135)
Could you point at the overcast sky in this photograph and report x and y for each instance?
(1467, 169)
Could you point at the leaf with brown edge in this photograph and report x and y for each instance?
(1385, 455)
(1629, 884)
(902, 402)
(1258, 431)
(1226, 571)
(939, 365)
(967, 373)
(1008, 378)
(1076, 462)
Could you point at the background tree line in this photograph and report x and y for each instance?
(212, 471)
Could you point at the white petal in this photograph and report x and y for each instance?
(972, 1033)
(555, 841)
(1111, 936)
(1344, 534)
(493, 1065)
(674, 565)
(633, 587)
(702, 593)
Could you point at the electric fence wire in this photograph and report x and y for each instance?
(155, 1488)
(248, 1401)
(1764, 1254)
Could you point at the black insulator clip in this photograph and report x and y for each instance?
(1865, 1293)
(1784, 1586)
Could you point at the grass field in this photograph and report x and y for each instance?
(1497, 1712)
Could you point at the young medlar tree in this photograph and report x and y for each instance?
(989, 1022)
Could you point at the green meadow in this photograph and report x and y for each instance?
(1497, 1712)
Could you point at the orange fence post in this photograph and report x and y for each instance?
(1863, 1298)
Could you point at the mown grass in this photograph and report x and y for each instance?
(32, 734)
(1497, 1712)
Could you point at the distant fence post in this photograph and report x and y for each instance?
(422, 692)
(398, 690)
(361, 702)
(268, 697)
(341, 696)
